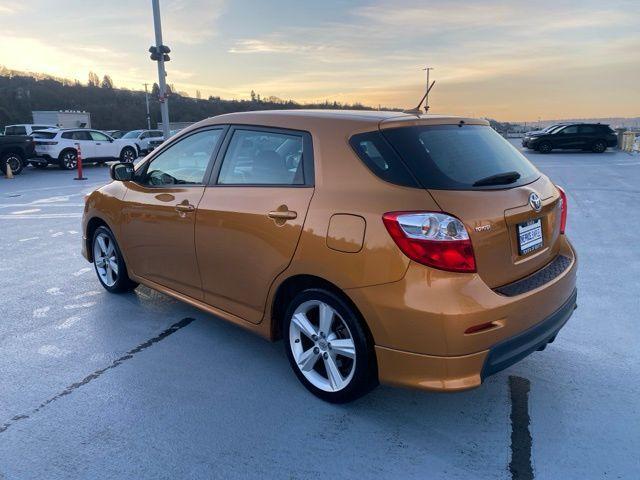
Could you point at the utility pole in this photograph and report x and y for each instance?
(426, 100)
(146, 99)
(159, 53)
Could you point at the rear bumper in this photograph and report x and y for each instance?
(451, 374)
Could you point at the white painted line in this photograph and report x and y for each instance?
(28, 239)
(41, 312)
(57, 234)
(69, 322)
(52, 351)
(42, 216)
(79, 305)
(82, 271)
(72, 232)
(22, 212)
(54, 291)
(91, 293)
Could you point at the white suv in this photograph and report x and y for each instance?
(142, 138)
(60, 146)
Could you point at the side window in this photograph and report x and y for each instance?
(144, 135)
(98, 137)
(184, 162)
(263, 158)
(15, 131)
(155, 133)
(572, 130)
(588, 129)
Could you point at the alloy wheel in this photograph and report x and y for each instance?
(15, 163)
(128, 155)
(70, 160)
(322, 346)
(105, 259)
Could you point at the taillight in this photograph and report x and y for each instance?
(563, 207)
(434, 239)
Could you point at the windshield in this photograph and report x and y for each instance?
(452, 157)
(132, 134)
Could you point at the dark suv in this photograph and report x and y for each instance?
(595, 137)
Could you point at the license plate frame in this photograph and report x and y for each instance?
(530, 236)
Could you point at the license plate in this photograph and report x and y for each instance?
(529, 236)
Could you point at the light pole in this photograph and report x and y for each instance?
(159, 53)
(146, 99)
(426, 100)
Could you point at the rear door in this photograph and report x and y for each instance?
(251, 216)
(82, 139)
(478, 176)
(158, 217)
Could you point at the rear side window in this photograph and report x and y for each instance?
(588, 129)
(380, 157)
(468, 157)
(16, 130)
(78, 135)
(263, 158)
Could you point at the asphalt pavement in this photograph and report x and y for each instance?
(101, 386)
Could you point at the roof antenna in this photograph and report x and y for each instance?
(416, 110)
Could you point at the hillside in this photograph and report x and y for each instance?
(114, 108)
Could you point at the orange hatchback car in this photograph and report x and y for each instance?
(414, 250)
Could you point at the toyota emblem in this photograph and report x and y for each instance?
(535, 202)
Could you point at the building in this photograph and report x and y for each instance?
(62, 118)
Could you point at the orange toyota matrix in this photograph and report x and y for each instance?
(414, 250)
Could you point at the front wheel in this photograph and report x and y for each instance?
(109, 263)
(545, 147)
(328, 347)
(14, 161)
(128, 155)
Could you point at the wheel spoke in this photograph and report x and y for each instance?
(102, 244)
(109, 251)
(344, 347)
(333, 374)
(113, 264)
(109, 274)
(326, 318)
(302, 322)
(307, 360)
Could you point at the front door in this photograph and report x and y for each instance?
(567, 137)
(103, 146)
(159, 214)
(249, 221)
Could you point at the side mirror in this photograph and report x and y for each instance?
(122, 172)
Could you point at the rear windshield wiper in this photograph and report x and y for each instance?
(498, 179)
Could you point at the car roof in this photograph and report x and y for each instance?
(347, 119)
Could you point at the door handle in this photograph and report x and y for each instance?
(283, 215)
(185, 207)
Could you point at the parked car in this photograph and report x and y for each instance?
(595, 137)
(527, 136)
(15, 150)
(156, 142)
(115, 133)
(60, 147)
(25, 129)
(142, 138)
(422, 251)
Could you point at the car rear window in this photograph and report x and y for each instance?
(454, 157)
(43, 134)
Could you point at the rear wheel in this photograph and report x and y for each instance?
(68, 159)
(328, 347)
(109, 263)
(599, 147)
(14, 161)
(545, 147)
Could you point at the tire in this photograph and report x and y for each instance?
(15, 160)
(599, 146)
(68, 159)
(128, 155)
(353, 363)
(545, 147)
(109, 262)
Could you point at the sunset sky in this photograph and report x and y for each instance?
(506, 60)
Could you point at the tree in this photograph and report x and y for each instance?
(253, 96)
(94, 81)
(198, 95)
(107, 82)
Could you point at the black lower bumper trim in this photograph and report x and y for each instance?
(512, 350)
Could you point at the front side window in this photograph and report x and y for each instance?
(98, 137)
(132, 134)
(77, 135)
(184, 162)
(263, 158)
(572, 130)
